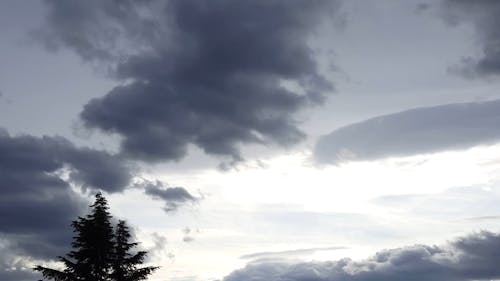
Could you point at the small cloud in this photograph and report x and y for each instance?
(188, 234)
(159, 248)
(188, 239)
(160, 242)
(173, 197)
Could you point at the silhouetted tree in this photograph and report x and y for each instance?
(125, 263)
(99, 253)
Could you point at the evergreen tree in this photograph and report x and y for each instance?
(99, 253)
(125, 263)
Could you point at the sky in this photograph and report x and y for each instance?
(256, 140)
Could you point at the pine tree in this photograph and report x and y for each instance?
(99, 253)
(125, 263)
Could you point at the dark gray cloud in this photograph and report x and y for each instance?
(173, 197)
(474, 257)
(411, 132)
(38, 203)
(36, 210)
(98, 169)
(89, 167)
(18, 275)
(204, 73)
(483, 15)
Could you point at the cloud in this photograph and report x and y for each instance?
(473, 257)
(412, 132)
(422, 7)
(173, 197)
(89, 167)
(289, 253)
(159, 248)
(483, 15)
(187, 235)
(36, 210)
(483, 218)
(205, 73)
(15, 270)
(38, 203)
(99, 169)
(471, 204)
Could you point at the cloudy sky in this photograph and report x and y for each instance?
(256, 140)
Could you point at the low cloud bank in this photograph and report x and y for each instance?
(473, 257)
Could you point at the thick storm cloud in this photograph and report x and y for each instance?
(37, 203)
(474, 257)
(411, 132)
(214, 74)
(484, 17)
(88, 167)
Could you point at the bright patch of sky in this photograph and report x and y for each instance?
(288, 203)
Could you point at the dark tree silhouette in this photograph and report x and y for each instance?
(125, 263)
(99, 253)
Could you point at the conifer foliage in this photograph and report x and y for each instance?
(100, 252)
(124, 262)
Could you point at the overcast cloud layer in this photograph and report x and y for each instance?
(473, 257)
(412, 132)
(207, 73)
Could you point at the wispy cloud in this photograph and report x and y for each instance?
(290, 253)
(483, 218)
